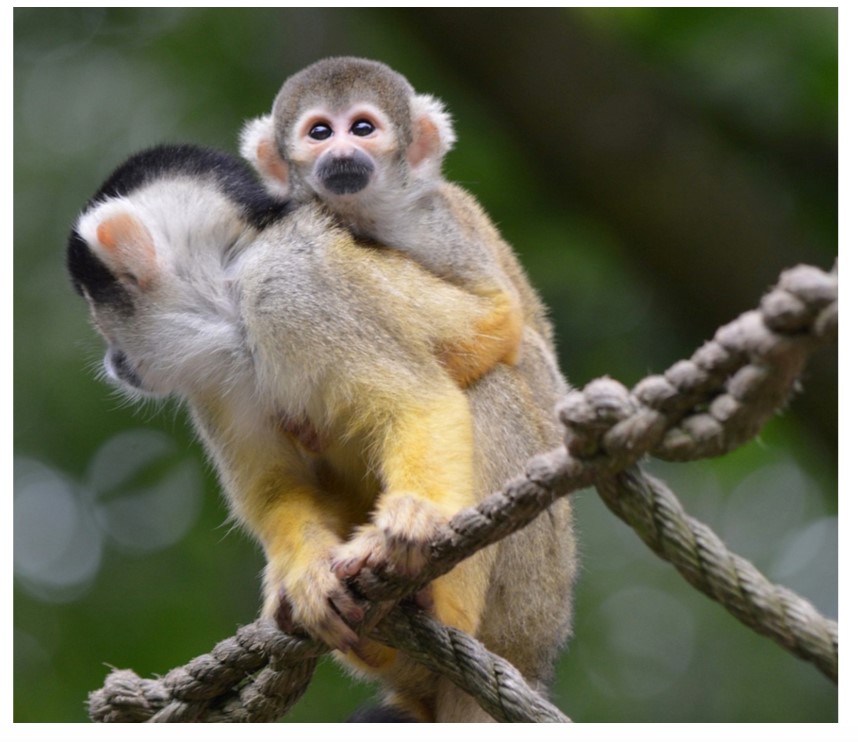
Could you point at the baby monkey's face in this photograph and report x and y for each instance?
(342, 152)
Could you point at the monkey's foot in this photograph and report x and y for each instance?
(316, 600)
(398, 540)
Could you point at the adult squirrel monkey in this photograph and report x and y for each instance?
(309, 365)
(354, 134)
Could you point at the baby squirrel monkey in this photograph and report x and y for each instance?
(353, 133)
(308, 364)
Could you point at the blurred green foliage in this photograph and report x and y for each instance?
(122, 550)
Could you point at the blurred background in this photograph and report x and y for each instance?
(654, 168)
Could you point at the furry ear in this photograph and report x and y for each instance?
(258, 146)
(432, 128)
(120, 240)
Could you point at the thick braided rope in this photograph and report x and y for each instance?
(259, 674)
(701, 407)
(205, 688)
(722, 395)
(493, 682)
(704, 561)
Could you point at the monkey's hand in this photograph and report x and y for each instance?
(314, 599)
(397, 540)
(495, 337)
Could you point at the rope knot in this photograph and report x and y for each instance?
(126, 697)
(588, 415)
(802, 293)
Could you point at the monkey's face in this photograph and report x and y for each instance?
(342, 153)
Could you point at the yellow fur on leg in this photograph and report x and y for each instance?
(425, 459)
(427, 450)
(459, 597)
(428, 475)
(298, 543)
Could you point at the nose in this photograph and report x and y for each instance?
(342, 151)
(345, 175)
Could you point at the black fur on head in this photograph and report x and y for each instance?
(232, 176)
(231, 173)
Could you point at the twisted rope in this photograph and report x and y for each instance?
(493, 682)
(704, 561)
(260, 673)
(701, 407)
(720, 397)
(213, 686)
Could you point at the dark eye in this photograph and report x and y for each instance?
(320, 131)
(362, 128)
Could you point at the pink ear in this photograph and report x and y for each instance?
(426, 143)
(269, 162)
(128, 248)
(257, 144)
(432, 131)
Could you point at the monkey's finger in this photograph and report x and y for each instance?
(336, 633)
(332, 632)
(348, 566)
(347, 607)
(406, 557)
(283, 615)
(351, 557)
